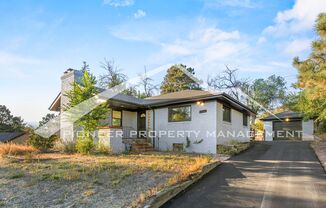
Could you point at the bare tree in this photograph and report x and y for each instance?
(147, 86)
(112, 76)
(228, 80)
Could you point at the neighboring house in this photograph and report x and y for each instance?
(14, 137)
(288, 125)
(191, 120)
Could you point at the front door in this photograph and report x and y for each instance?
(141, 121)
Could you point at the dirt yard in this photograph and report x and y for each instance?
(60, 180)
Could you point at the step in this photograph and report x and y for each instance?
(142, 147)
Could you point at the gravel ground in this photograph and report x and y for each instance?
(320, 150)
(26, 192)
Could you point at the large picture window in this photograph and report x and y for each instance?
(226, 114)
(180, 113)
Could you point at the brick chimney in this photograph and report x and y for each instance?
(68, 129)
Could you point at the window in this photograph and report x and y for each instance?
(226, 114)
(116, 118)
(181, 113)
(245, 119)
(113, 118)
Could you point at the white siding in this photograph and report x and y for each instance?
(129, 119)
(112, 138)
(201, 124)
(308, 130)
(268, 127)
(236, 129)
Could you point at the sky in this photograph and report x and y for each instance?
(39, 40)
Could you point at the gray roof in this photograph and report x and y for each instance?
(283, 115)
(8, 136)
(173, 98)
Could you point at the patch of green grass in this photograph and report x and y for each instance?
(118, 176)
(2, 203)
(17, 175)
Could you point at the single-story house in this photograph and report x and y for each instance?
(288, 125)
(14, 137)
(190, 120)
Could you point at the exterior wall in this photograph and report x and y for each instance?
(112, 138)
(150, 127)
(268, 126)
(308, 130)
(129, 119)
(235, 128)
(202, 124)
(129, 124)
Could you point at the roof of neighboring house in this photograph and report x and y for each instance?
(283, 115)
(9, 136)
(168, 99)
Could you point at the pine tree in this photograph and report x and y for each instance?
(176, 80)
(312, 76)
(84, 91)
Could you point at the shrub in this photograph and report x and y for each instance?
(69, 147)
(234, 147)
(15, 149)
(41, 143)
(235, 143)
(85, 145)
(65, 146)
(102, 149)
(226, 150)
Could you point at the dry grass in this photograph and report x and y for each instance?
(62, 167)
(15, 149)
(77, 167)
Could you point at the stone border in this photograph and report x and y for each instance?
(167, 194)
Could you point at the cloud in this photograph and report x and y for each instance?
(16, 66)
(297, 19)
(139, 14)
(7, 58)
(200, 43)
(149, 31)
(297, 46)
(203, 46)
(230, 3)
(261, 40)
(119, 3)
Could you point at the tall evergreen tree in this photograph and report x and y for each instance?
(84, 91)
(176, 80)
(312, 76)
(48, 117)
(8, 122)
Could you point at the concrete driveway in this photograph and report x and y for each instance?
(271, 174)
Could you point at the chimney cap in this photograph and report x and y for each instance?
(68, 70)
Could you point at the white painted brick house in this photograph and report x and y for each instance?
(194, 120)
